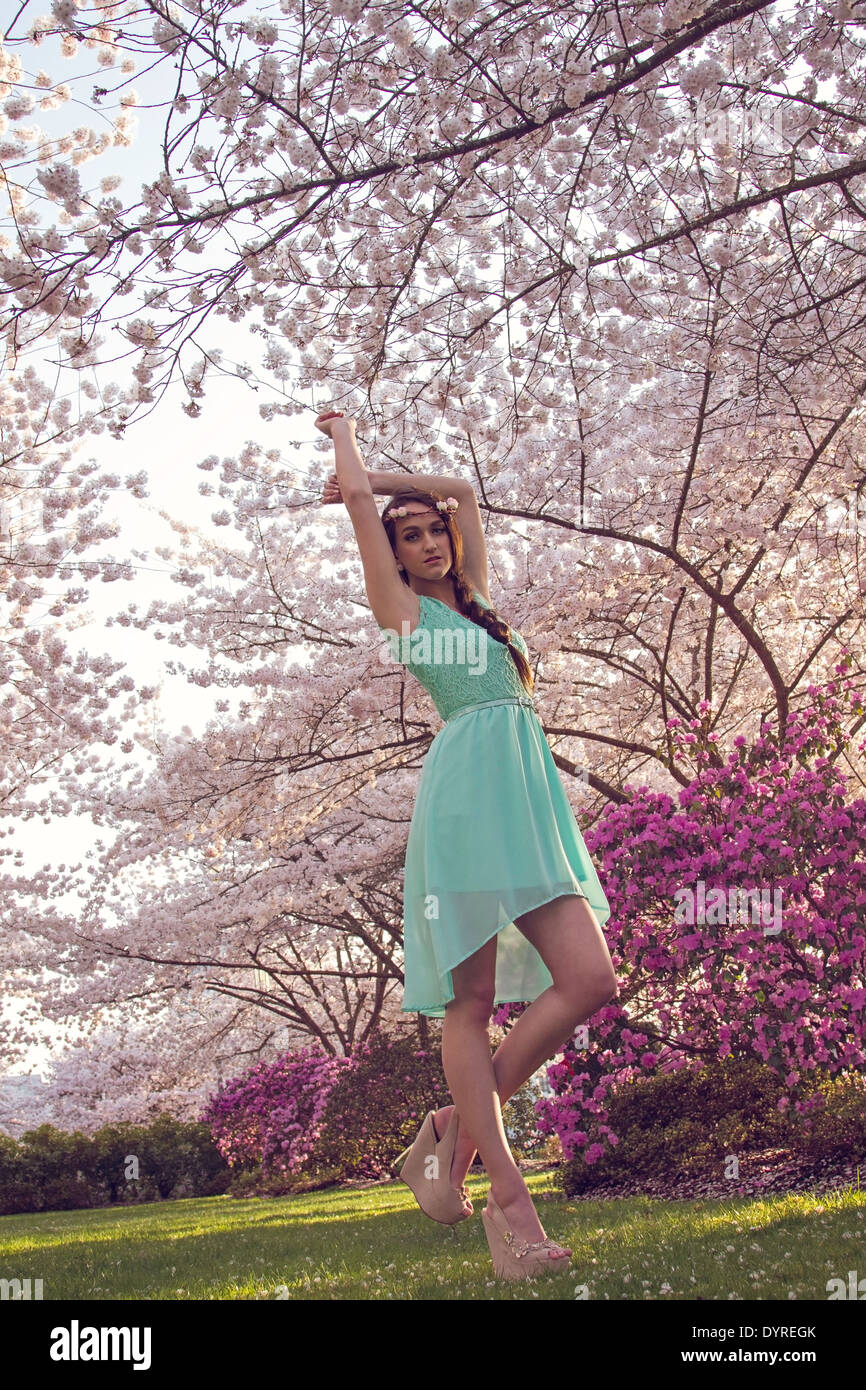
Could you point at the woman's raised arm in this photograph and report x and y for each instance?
(393, 602)
(383, 484)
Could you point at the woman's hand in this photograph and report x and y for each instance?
(351, 473)
(332, 491)
(325, 421)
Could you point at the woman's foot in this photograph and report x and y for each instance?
(464, 1151)
(517, 1207)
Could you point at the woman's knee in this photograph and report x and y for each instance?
(606, 986)
(589, 991)
(474, 983)
(473, 1002)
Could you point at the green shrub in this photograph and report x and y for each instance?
(181, 1159)
(53, 1155)
(50, 1170)
(376, 1108)
(68, 1193)
(18, 1190)
(837, 1129)
(687, 1122)
(112, 1148)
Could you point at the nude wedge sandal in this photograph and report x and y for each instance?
(427, 1169)
(514, 1258)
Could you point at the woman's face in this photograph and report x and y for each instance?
(423, 543)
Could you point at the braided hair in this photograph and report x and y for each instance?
(466, 603)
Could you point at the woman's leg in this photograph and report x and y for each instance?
(569, 940)
(468, 1068)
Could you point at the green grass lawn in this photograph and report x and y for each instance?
(374, 1243)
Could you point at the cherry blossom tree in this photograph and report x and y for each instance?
(602, 260)
(595, 260)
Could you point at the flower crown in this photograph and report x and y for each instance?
(450, 506)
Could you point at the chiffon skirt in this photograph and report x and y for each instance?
(492, 836)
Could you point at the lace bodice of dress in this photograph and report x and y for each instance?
(456, 660)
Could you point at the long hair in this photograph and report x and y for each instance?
(466, 603)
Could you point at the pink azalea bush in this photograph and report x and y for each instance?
(335, 1117)
(272, 1114)
(787, 988)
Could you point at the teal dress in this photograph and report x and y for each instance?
(492, 834)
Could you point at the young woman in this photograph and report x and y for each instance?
(501, 900)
